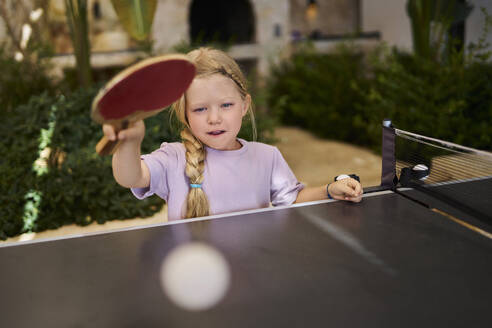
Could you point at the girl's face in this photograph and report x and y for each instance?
(215, 111)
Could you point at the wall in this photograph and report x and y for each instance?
(333, 17)
(272, 29)
(476, 20)
(170, 24)
(390, 18)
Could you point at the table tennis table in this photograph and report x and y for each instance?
(387, 261)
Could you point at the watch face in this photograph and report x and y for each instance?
(341, 176)
(345, 176)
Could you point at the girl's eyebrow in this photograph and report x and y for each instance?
(228, 98)
(196, 105)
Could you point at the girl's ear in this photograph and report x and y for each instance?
(247, 104)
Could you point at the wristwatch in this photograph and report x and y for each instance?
(345, 176)
(340, 177)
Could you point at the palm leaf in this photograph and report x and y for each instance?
(136, 16)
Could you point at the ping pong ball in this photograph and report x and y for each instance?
(195, 276)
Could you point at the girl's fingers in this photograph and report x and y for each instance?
(347, 189)
(355, 185)
(136, 130)
(109, 132)
(354, 199)
(122, 135)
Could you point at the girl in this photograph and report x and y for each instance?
(212, 171)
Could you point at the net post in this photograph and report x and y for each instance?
(388, 169)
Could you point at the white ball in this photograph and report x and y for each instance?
(195, 276)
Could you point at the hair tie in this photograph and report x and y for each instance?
(195, 185)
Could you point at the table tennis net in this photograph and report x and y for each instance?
(455, 174)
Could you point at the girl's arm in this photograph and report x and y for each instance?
(345, 189)
(311, 193)
(128, 169)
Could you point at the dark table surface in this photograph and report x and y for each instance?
(386, 261)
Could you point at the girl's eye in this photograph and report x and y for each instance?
(201, 109)
(227, 105)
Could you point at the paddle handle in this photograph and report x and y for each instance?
(108, 147)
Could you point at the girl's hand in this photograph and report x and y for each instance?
(346, 189)
(135, 132)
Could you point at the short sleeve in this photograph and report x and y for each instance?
(159, 162)
(284, 184)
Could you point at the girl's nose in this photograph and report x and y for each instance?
(214, 116)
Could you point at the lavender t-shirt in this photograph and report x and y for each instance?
(248, 178)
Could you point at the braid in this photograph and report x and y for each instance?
(233, 76)
(197, 202)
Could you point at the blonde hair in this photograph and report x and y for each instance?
(207, 62)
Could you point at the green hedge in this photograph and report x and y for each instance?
(19, 134)
(20, 80)
(447, 101)
(317, 92)
(346, 95)
(78, 186)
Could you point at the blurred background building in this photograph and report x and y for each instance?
(259, 31)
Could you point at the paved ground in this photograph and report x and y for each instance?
(314, 162)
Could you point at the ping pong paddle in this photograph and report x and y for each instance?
(140, 91)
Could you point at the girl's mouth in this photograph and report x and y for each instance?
(216, 133)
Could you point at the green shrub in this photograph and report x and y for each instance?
(20, 80)
(346, 96)
(90, 192)
(78, 186)
(446, 101)
(19, 149)
(316, 92)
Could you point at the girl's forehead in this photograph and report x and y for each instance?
(215, 84)
(215, 78)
